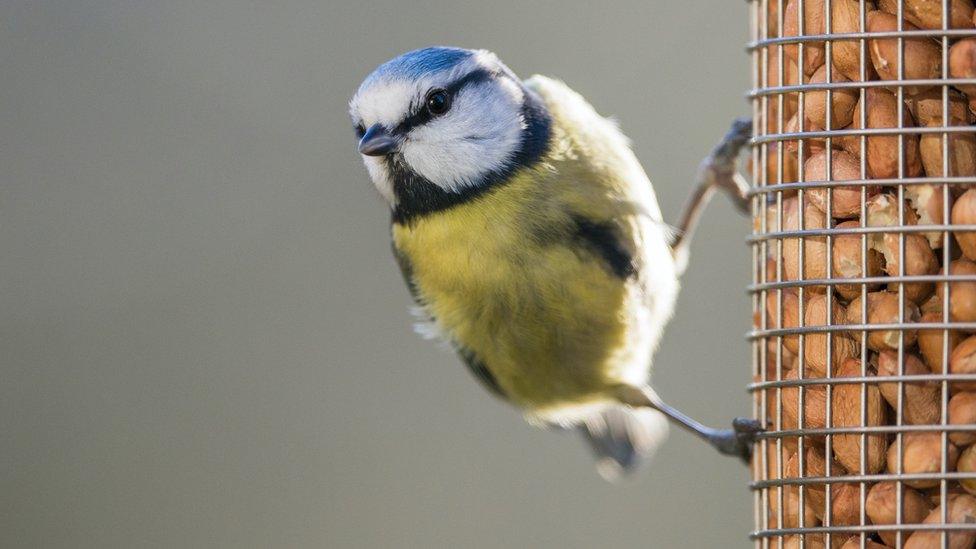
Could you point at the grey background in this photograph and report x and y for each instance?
(204, 339)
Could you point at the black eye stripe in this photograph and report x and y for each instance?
(421, 115)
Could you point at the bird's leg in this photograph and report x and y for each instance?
(736, 441)
(716, 172)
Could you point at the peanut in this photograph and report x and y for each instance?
(922, 56)
(846, 54)
(882, 150)
(919, 260)
(930, 341)
(813, 24)
(962, 509)
(920, 402)
(967, 464)
(814, 405)
(814, 247)
(846, 412)
(921, 453)
(791, 315)
(927, 106)
(927, 14)
(964, 213)
(962, 411)
(882, 508)
(962, 306)
(811, 145)
(847, 261)
(963, 361)
(962, 63)
(842, 101)
(845, 201)
(962, 151)
(815, 344)
(883, 309)
(928, 203)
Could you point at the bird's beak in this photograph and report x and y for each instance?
(377, 141)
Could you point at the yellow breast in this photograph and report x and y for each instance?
(510, 286)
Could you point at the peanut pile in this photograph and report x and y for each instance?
(855, 353)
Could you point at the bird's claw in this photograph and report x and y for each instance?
(736, 138)
(738, 440)
(720, 169)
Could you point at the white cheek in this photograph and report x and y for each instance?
(479, 136)
(380, 175)
(454, 165)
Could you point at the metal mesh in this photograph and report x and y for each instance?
(857, 331)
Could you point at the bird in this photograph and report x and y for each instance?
(531, 240)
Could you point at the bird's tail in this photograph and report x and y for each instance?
(624, 438)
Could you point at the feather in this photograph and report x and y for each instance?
(623, 438)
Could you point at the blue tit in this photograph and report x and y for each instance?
(531, 240)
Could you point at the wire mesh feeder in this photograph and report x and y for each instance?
(864, 282)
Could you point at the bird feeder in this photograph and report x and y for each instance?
(864, 273)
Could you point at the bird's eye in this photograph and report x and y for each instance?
(438, 102)
(360, 131)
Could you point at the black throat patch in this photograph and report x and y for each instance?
(417, 196)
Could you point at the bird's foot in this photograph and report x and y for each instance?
(738, 440)
(720, 167)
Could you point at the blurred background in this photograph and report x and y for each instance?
(204, 339)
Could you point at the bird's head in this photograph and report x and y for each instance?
(438, 124)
